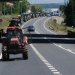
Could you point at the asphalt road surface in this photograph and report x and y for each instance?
(50, 53)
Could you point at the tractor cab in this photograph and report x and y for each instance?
(15, 33)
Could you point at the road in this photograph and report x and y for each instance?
(50, 53)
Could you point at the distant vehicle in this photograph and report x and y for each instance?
(15, 22)
(14, 42)
(31, 28)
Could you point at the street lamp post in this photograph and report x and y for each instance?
(4, 10)
(11, 8)
(11, 5)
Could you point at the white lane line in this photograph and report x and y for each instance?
(52, 68)
(1, 56)
(46, 28)
(55, 72)
(42, 58)
(55, 43)
(26, 23)
(22, 27)
(51, 41)
(36, 22)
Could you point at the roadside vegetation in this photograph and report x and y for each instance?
(59, 27)
(5, 20)
(69, 19)
(69, 12)
(18, 8)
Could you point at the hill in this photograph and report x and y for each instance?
(50, 5)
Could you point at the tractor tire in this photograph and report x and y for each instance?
(25, 53)
(5, 56)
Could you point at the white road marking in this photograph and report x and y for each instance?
(22, 27)
(54, 43)
(26, 23)
(1, 56)
(37, 32)
(55, 72)
(42, 58)
(35, 24)
(46, 28)
(57, 44)
(52, 68)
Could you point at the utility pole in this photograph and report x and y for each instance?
(4, 11)
(11, 10)
(11, 5)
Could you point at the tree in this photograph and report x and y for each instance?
(62, 8)
(70, 13)
(36, 8)
(16, 7)
(25, 5)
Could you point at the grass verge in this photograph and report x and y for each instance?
(59, 27)
(5, 20)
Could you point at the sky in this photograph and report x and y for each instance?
(45, 1)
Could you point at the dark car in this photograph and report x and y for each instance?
(31, 28)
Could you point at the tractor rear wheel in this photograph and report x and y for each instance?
(5, 56)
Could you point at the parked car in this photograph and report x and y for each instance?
(31, 28)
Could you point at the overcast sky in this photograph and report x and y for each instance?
(46, 1)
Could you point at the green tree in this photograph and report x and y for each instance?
(36, 8)
(16, 7)
(25, 5)
(70, 13)
(62, 8)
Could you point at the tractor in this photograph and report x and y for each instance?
(14, 43)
